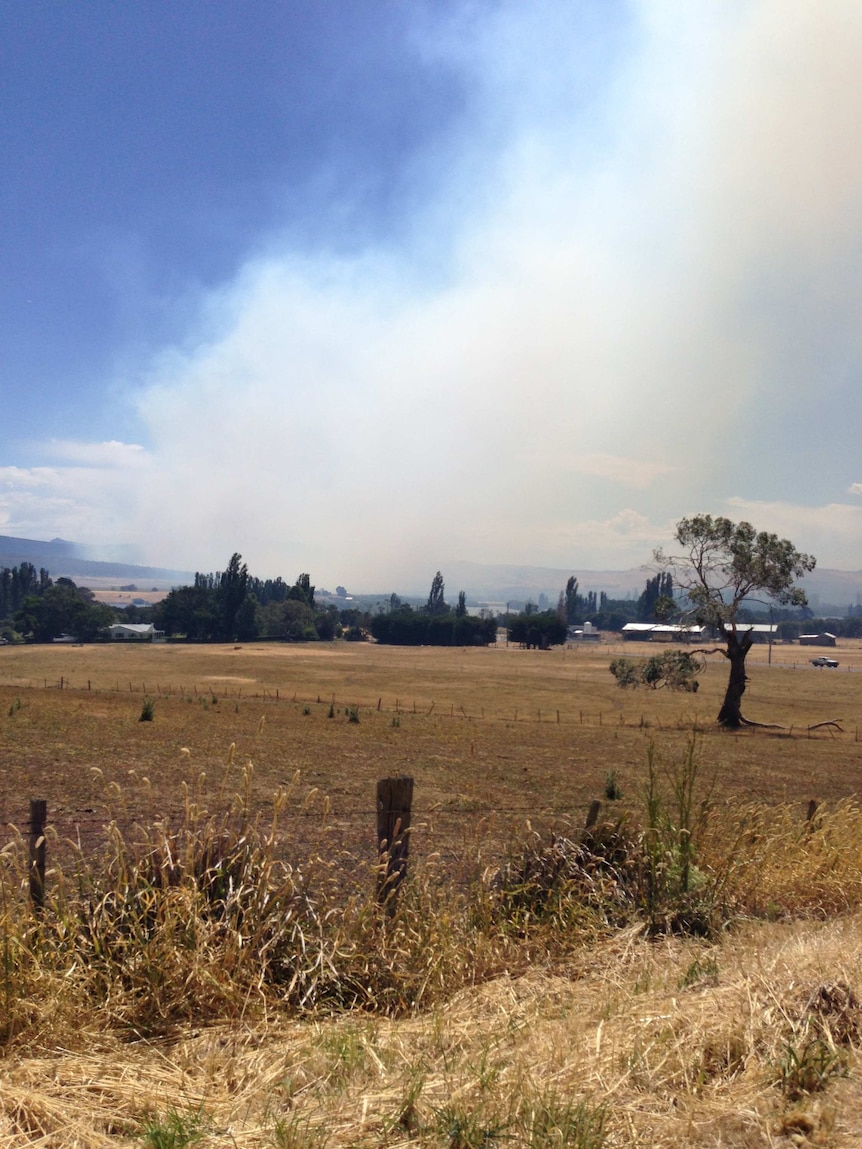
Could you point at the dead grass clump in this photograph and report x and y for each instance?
(567, 883)
(168, 925)
(837, 1010)
(399, 962)
(686, 865)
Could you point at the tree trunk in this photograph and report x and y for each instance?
(738, 647)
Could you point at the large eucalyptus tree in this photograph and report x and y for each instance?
(720, 565)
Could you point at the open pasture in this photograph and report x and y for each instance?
(493, 737)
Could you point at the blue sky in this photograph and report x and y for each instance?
(362, 287)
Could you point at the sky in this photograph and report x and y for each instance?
(357, 287)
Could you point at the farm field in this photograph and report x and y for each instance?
(492, 735)
(597, 1039)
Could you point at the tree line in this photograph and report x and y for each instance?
(233, 605)
(434, 624)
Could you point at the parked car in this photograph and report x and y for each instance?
(823, 661)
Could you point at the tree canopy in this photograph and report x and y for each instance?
(62, 608)
(231, 605)
(720, 565)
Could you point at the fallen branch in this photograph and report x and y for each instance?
(834, 722)
(761, 725)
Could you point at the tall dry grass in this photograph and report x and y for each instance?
(207, 921)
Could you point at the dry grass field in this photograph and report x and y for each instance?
(578, 1032)
(499, 734)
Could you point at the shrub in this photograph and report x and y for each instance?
(625, 672)
(613, 793)
(673, 669)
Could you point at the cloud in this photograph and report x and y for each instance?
(855, 489)
(107, 454)
(832, 533)
(625, 539)
(96, 504)
(637, 269)
(633, 472)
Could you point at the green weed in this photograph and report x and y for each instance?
(613, 792)
(551, 1121)
(699, 971)
(173, 1130)
(808, 1067)
(297, 1132)
(464, 1128)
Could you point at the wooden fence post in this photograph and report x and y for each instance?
(592, 814)
(38, 817)
(394, 801)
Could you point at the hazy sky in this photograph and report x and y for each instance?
(359, 286)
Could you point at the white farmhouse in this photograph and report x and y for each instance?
(135, 632)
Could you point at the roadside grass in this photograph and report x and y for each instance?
(197, 990)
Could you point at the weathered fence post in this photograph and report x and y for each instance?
(394, 801)
(38, 817)
(592, 814)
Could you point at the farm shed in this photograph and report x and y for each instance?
(638, 631)
(822, 639)
(135, 632)
(586, 633)
(759, 631)
(662, 632)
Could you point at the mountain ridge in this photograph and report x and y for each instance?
(63, 559)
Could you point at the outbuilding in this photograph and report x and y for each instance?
(662, 632)
(135, 632)
(824, 638)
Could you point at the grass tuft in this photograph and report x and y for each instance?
(173, 1130)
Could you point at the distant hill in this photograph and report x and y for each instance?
(502, 583)
(63, 559)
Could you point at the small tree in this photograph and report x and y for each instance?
(722, 563)
(572, 601)
(231, 593)
(672, 669)
(436, 602)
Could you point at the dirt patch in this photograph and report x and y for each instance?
(226, 678)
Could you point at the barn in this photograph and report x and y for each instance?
(824, 638)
